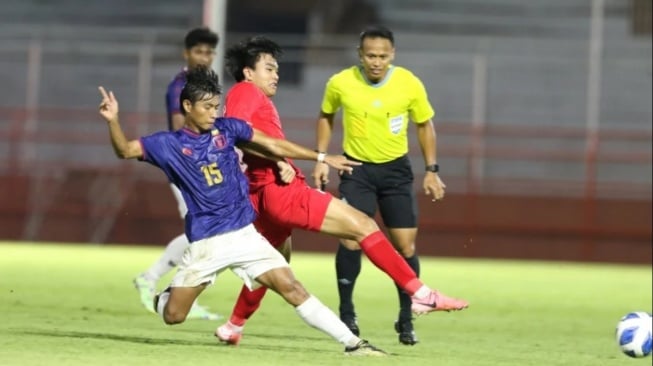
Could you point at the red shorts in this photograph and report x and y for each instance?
(281, 208)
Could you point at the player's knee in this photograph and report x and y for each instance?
(357, 224)
(365, 226)
(173, 316)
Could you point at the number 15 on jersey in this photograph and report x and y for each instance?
(212, 174)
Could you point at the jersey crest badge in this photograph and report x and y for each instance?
(219, 142)
(396, 124)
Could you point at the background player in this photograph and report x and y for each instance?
(201, 160)
(280, 208)
(378, 101)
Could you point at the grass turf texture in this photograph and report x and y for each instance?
(75, 305)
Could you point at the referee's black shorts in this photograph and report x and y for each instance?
(390, 185)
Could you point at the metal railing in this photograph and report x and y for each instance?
(45, 141)
(463, 144)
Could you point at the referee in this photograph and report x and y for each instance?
(378, 100)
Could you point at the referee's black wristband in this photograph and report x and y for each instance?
(433, 168)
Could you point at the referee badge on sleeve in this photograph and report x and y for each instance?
(396, 124)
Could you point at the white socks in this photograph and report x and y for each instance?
(163, 300)
(317, 315)
(170, 258)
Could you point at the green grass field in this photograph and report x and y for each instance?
(75, 305)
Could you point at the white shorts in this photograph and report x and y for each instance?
(181, 204)
(246, 252)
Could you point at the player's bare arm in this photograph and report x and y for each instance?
(124, 149)
(433, 185)
(286, 171)
(324, 128)
(291, 150)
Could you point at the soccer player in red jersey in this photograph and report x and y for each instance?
(283, 207)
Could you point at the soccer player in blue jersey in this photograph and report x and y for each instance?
(200, 159)
(199, 50)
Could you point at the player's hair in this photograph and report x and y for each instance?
(246, 53)
(376, 31)
(201, 83)
(201, 35)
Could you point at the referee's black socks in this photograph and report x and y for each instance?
(405, 313)
(348, 266)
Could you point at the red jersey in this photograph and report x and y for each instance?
(247, 102)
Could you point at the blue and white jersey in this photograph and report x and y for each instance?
(205, 168)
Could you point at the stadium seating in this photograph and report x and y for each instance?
(534, 54)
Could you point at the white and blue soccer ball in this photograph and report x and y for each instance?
(634, 334)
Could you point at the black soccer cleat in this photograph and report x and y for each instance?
(155, 302)
(406, 332)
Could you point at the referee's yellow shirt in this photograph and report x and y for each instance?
(375, 116)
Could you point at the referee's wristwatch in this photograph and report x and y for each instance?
(433, 168)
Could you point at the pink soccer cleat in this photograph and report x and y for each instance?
(436, 301)
(228, 334)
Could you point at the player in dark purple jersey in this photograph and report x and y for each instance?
(201, 160)
(199, 50)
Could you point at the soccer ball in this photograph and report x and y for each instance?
(634, 334)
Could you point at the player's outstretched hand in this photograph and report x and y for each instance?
(108, 105)
(320, 175)
(286, 172)
(340, 162)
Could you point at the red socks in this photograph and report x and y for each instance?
(247, 303)
(381, 252)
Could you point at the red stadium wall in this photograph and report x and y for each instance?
(51, 198)
(519, 227)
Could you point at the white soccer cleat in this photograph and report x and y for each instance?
(228, 334)
(145, 288)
